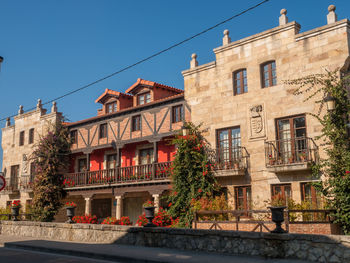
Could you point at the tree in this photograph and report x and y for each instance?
(192, 175)
(50, 157)
(334, 138)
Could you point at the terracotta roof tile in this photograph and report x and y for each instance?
(152, 84)
(126, 109)
(110, 92)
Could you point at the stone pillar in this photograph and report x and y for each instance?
(156, 202)
(194, 62)
(54, 107)
(283, 18)
(226, 39)
(332, 16)
(119, 207)
(20, 110)
(39, 105)
(88, 205)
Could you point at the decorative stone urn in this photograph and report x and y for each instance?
(15, 213)
(70, 214)
(149, 212)
(278, 217)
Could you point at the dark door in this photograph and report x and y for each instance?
(102, 208)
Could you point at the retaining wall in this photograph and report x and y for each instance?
(317, 248)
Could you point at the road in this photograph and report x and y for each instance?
(25, 256)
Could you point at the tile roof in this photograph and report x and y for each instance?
(111, 92)
(126, 110)
(152, 84)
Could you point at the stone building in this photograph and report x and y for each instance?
(242, 99)
(121, 157)
(17, 144)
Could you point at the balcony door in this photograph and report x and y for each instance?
(146, 156)
(111, 161)
(291, 139)
(229, 142)
(82, 165)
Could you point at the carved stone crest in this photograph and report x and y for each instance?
(257, 128)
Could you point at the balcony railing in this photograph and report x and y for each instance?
(26, 183)
(11, 185)
(119, 175)
(291, 151)
(230, 158)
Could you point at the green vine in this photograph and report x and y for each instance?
(334, 139)
(50, 156)
(192, 175)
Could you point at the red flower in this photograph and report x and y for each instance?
(200, 190)
(347, 172)
(170, 204)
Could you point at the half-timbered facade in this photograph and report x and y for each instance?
(121, 157)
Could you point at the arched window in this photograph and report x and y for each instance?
(240, 81)
(268, 74)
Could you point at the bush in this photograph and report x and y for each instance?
(124, 221)
(216, 203)
(86, 219)
(161, 219)
(6, 210)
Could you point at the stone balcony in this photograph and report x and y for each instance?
(291, 155)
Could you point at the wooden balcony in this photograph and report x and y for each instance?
(230, 161)
(289, 155)
(131, 175)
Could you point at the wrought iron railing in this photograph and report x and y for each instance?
(230, 158)
(26, 182)
(11, 185)
(119, 175)
(291, 151)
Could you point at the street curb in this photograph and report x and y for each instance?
(81, 253)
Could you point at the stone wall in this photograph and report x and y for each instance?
(316, 248)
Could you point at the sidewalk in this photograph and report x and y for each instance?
(126, 253)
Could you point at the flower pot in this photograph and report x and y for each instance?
(149, 214)
(70, 214)
(15, 213)
(278, 218)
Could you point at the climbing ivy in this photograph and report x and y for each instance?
(335, 168)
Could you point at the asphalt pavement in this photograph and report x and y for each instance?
(114, 252)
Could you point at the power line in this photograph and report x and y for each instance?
(147, 58)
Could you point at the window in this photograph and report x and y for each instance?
(284, 190)
(136, 123)
(243, 197)
(21, 138)
(310, 195)
(291, 139)
(268, 74)
(103, 130)
(111, 107)
(31, 136)
(32, 172)
(240, 81)
(146, 156)
(143, 98)
(177, 113)
(14, 175)
(82, 167)
(229, 151)
(74, 136)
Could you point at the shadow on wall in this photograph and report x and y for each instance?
(315, 248)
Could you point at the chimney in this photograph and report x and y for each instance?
(226, 39)
(194, 62)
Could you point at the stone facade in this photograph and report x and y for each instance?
(313, 248)
(17, 148)
(210, 92)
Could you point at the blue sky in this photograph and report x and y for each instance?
(52, 47)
